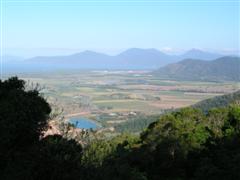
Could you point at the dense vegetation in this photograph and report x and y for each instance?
(181, 145)
(24, 153)
(135, 124)
(224, 68)
(186, 144)
(218, 101)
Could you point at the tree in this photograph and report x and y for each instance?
(23, 117)
(23, 114)
(24, 153)
(58, 158)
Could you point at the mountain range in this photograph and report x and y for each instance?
(134, 58)
(224, 68)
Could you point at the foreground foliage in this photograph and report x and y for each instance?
(186, 144)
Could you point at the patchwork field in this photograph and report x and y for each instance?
(118, 95)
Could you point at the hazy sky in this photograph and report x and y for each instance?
(108, 26)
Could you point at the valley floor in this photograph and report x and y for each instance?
(114, 97)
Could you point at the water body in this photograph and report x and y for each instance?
(83, 123)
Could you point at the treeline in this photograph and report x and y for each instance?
(186, 144)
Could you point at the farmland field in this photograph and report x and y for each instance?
(117, 95)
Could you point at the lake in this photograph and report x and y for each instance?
(85, 123)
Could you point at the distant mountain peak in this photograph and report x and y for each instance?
(134, 58)
(200, 54)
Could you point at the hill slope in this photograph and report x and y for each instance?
(218, 101)
(225, 68)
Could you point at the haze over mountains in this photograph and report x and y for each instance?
(131, 59)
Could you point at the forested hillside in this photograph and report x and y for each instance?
(218, 101)
(224, 68)
(185, 144)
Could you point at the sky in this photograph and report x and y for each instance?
(111, 26)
